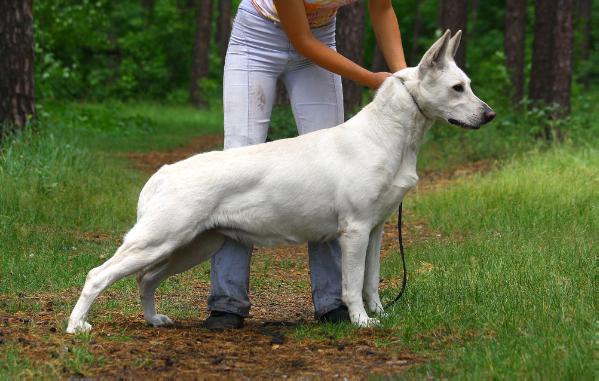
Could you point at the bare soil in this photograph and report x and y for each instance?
(125, 347)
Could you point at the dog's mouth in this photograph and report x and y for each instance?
(462, 124)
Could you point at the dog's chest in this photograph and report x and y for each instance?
(405, 179)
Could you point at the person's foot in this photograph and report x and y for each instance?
(337, 315)
(219, 321)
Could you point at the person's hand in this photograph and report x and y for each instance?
(377, 79)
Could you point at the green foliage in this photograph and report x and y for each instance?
(282, 124)
(102, 49)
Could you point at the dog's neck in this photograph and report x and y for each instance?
(394, 125)
(399, 123)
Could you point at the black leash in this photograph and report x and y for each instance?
(404, 281)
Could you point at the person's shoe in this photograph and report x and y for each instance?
(337, 315)
(219, 321)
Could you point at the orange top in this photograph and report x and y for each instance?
(319, 12)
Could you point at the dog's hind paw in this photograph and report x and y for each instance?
(159, 320)
(79, 327)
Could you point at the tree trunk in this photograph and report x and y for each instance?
(201, 51)
(17, 98)
(148, 5)
(551, 73)
(350, 37)
(584, 16)
(223, 31)
(540, 75)
(378, 60)
(562, 57)
(415, 52)
(281, 97)
(514, 45)
(454, 16)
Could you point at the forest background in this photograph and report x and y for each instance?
(501, 232)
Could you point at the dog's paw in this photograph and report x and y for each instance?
(159, 320)
(79, 327)
(371, 322)
(365, 322)
(377, 309)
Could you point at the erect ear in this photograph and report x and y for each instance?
(454, 44)
(435, 56)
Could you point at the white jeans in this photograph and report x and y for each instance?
(259, 53)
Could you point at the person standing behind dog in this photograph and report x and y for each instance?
(294, 40)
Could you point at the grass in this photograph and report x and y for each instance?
(518, 287)
(66, 180)
(510, 293)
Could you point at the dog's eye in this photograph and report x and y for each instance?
(458, 88)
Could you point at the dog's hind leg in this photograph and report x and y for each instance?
(199, 250)
(354, 243)
(140, 250)
(370, 292)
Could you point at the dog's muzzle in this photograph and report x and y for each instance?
(463, 125)
(488, 115)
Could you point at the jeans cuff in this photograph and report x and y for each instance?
(226, 307)
(323, 309)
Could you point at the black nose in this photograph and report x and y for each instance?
(489, 116)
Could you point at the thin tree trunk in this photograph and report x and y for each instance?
(562, 58)
(415, 52)
(201, 51)
(584, 16)
(281, 98)
(350, 37)
(541, 70)
(454, 16)
(223, 31)
(378, 60)
(551, 73)
(17, 97)
(148, 5)
(514, 45)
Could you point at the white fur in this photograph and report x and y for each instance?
(341, 182)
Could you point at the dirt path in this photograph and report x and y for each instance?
(124, 347)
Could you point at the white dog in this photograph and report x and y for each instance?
(342, 182)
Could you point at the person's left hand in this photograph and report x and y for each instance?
(377, 79)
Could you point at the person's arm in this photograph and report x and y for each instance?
(388, 36)
(295, 23)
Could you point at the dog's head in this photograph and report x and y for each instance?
(443, 91)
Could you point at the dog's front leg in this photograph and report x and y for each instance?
(370, 291)
(354, 242)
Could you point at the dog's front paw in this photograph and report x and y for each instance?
(78, 327)
(159, 320)
(364, 321)
(376, 308)
(368, 322)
